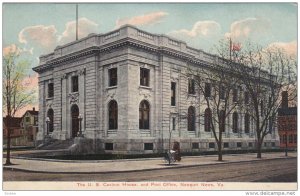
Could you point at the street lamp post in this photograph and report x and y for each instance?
(47, 121)
(80, 120)
(286, 144)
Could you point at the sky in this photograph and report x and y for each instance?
(35, 29)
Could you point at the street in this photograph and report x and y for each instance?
(276, 170)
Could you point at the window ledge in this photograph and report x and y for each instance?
(145, 87)
(74, 93)
(111, 87)
(192, 95)
(49, 98)
(145, 130)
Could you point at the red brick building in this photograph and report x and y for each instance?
(287, 124)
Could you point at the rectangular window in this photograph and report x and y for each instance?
(27, 119)
(173, 93)
(235, 95)
(113, 77)
(285, 99)
(222, 120)
(75, 84)
(50, 90)
(173, 123)
(207, 90)
(222, 92)
(195, 145)
(144, 77)
(273, 144)
(290, 139)
(211, 145)
(246, 97)
(284, 138)
(226, 145)
(191, 86)
(239, 144)
(261, 107)
(148, 146)
(295, 139)
(250, 144)
(109, 146)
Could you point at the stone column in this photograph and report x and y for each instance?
(81, 90)
(64, 92)
(42, 117)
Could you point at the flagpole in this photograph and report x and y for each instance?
(76, 22)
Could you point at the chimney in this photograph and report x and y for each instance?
(285, 99)
(33, 108)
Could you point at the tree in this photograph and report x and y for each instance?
(265, 73)
(217, 86)
(15, 95)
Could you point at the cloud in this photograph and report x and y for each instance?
(290, 48)
(249, 28)
(40, 36)
(200, 29)
(85, 27)
(44, 39)
(146, 19)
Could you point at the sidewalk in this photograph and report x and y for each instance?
(107, 166)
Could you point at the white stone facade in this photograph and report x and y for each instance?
(128, 49)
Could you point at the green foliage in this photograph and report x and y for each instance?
(17, 93)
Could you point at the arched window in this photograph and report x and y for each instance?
(222, 120)
(247, 123)
(235, 122)
(144, 115)
(113, 115)
(207, 120)
(50, 114)
(191, 118)
(75, 120)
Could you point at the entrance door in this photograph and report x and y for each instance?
(75, 120)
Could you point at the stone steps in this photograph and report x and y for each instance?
(57, 144)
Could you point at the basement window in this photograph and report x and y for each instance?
(109, 146)
(195, 145)
(148, 146)
(226, 145)
(211, 145)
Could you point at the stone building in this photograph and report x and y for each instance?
(128, 87)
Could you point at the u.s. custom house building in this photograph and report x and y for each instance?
(125, 90)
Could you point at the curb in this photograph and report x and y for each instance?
(138, 170)
(113, 160)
